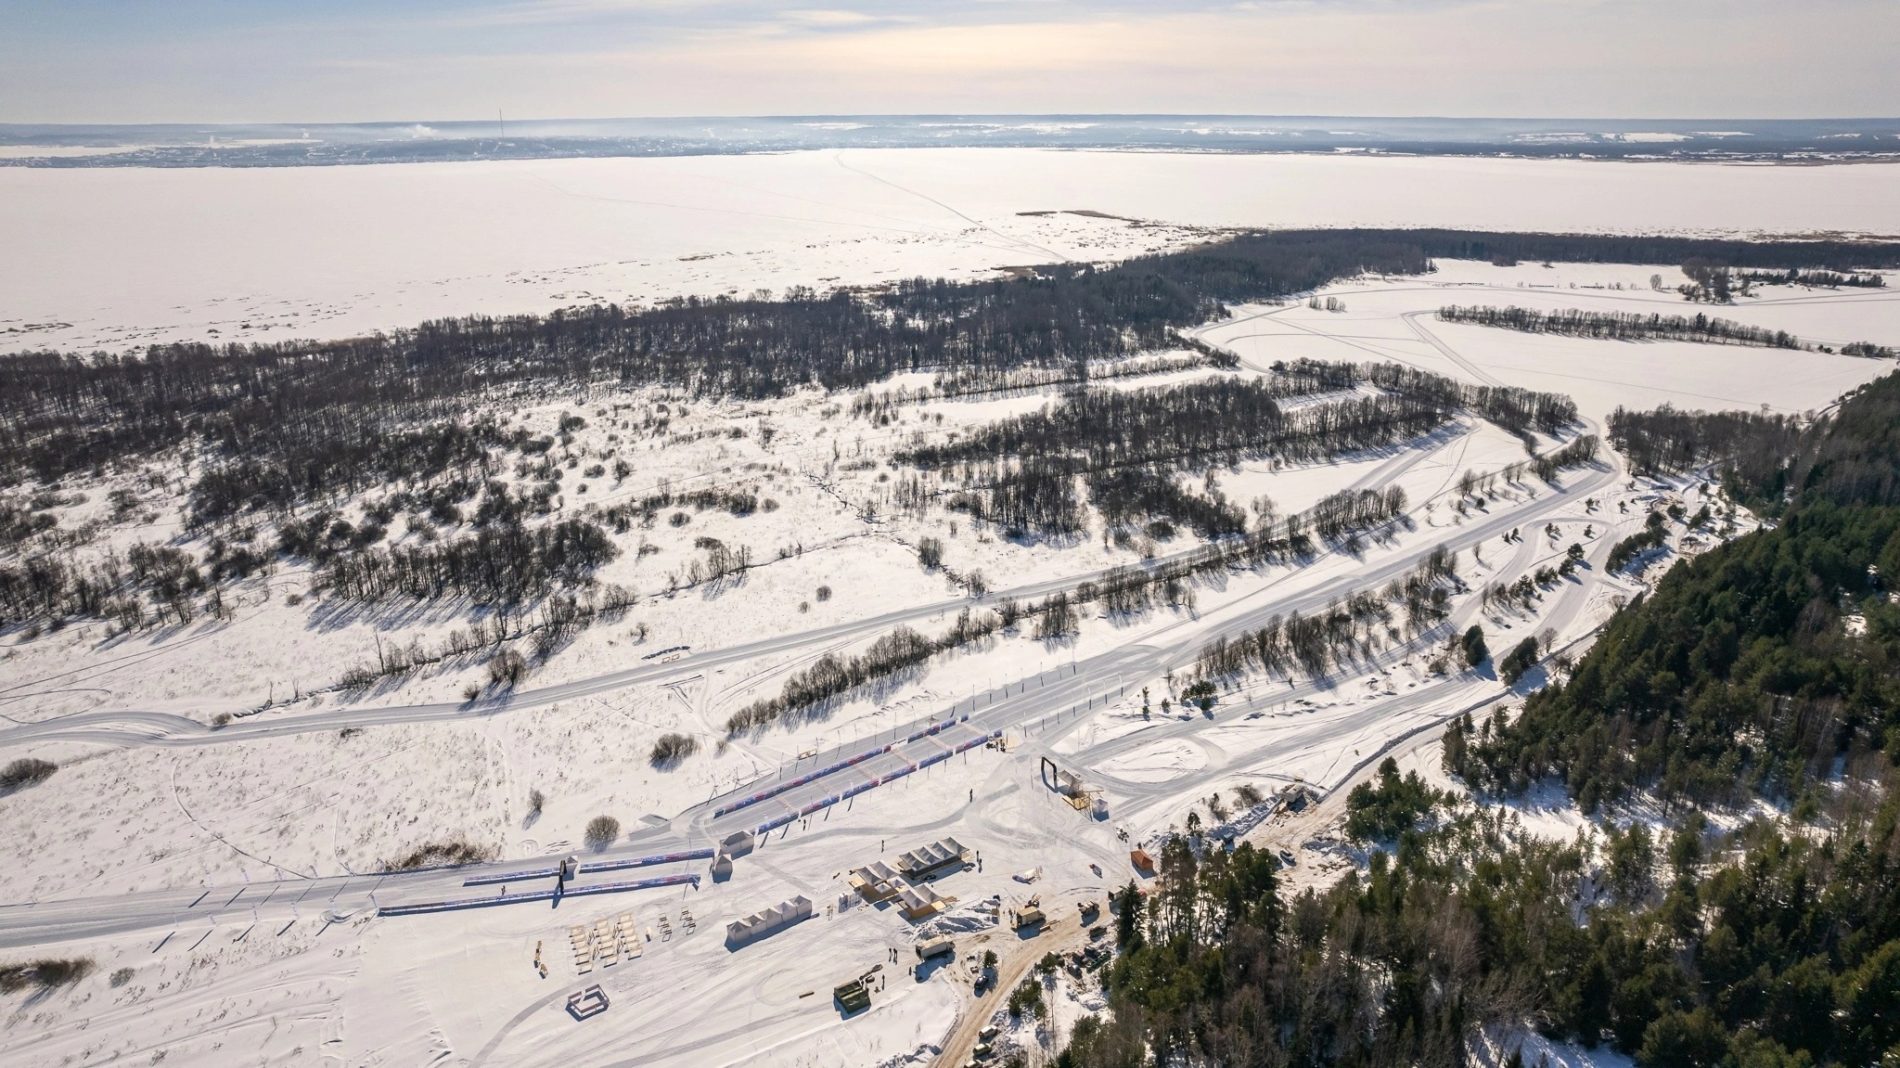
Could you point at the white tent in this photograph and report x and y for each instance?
(935, 855)
(877, 880)
(918, 899)
(769, 920)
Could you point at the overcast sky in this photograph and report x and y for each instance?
(357, 60)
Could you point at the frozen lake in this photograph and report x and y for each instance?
(120, 257)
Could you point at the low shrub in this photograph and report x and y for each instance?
(46, 973)
(601, 832)
(671, 748)
(24, 772)
(455, 851)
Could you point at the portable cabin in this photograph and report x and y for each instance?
(737, 844)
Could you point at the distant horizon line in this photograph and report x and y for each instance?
(807, 116)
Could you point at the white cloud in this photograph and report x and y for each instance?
(830, 17)
(571, 58)
(529, 12)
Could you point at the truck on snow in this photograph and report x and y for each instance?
(935, 947)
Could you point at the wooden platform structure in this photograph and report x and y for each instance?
(607, 942)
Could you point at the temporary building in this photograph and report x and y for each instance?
(938, 854)
(736, 844)
(877, 881)
(769, 921)
(918, 900)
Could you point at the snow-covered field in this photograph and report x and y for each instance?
(116, 258)
(234, 874)
(1393, 319)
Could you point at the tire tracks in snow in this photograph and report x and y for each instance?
(1014, 242)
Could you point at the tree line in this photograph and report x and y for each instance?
(1633, 326)
(273, 425)
(1511, 248)
(1121, 590)
(1214, 420)
(1515, 409)
(1717, 283)
(833, 676)
(1669, 441)
(66, 413)
(1768, 460)
(62, 413)
(1022, 470)
(1343, 632)
(1821, 279)
(1622, 326)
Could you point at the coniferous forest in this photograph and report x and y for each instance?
(1769, 669)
